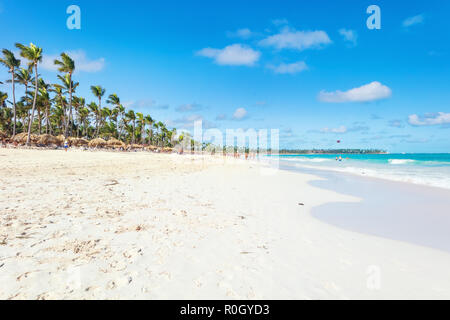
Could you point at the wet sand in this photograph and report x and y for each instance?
(395, 210)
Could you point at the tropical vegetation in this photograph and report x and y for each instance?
(56, 109)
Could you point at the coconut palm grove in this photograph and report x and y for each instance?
(50, 113)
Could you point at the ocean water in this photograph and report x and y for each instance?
(431, 169)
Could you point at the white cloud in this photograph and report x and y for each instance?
(233, 55)
(289, 68)
(240, 114)
(341, 129)
(419, 19)
(279, 22)
(356, 127)
(430, 119)
(244, 33)
(396, 123)
(144, 104)
(299, 40)
(82, 63)
(221, 117)
(189, 107)
(349, 35)
(189, 121)
(369, 92)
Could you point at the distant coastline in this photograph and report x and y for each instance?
(332, 151)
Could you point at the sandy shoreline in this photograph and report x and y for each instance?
(96, 225)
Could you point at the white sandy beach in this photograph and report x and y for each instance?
(96, 225)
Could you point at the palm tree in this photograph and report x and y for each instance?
(59, 98)
(46, 101)
(115, 101)
(131, 116)
(5, 113)
(3, 97)
(141, 121)
(84, 115)
(67, 66)
(34, 55)
(149, 121)
(70, 87)
(120, 112)
(10, 61)
(96, 111)
(99, 92)
(78, 104)
(25, 77)
(105, 113)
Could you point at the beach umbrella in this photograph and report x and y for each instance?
(97, 143)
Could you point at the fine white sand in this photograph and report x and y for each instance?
(95, 225)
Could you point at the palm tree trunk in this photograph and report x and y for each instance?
(34, 103)
(78, 124)
(40, 122)
(46, 119)
(99, 117)
(69, 116)
(14, 100)
(134, 131)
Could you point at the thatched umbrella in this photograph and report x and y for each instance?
(3, 135)
(97, 143)
(22, 138)
(152, 148)
(115, 144)
(168, 150)
(61, 139)
(135, 146)
(48, 139)
(79, 142)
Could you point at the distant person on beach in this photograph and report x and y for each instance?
(66, 145)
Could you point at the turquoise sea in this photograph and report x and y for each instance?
(432, 169)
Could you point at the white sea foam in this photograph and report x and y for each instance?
(305, 159)
(427, 176)
(401, 161)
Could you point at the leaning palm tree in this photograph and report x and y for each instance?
(34, 55)
(25, 77)
(67, 66)
(99, 92)
(10, 61)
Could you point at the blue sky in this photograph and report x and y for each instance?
(309, 68)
